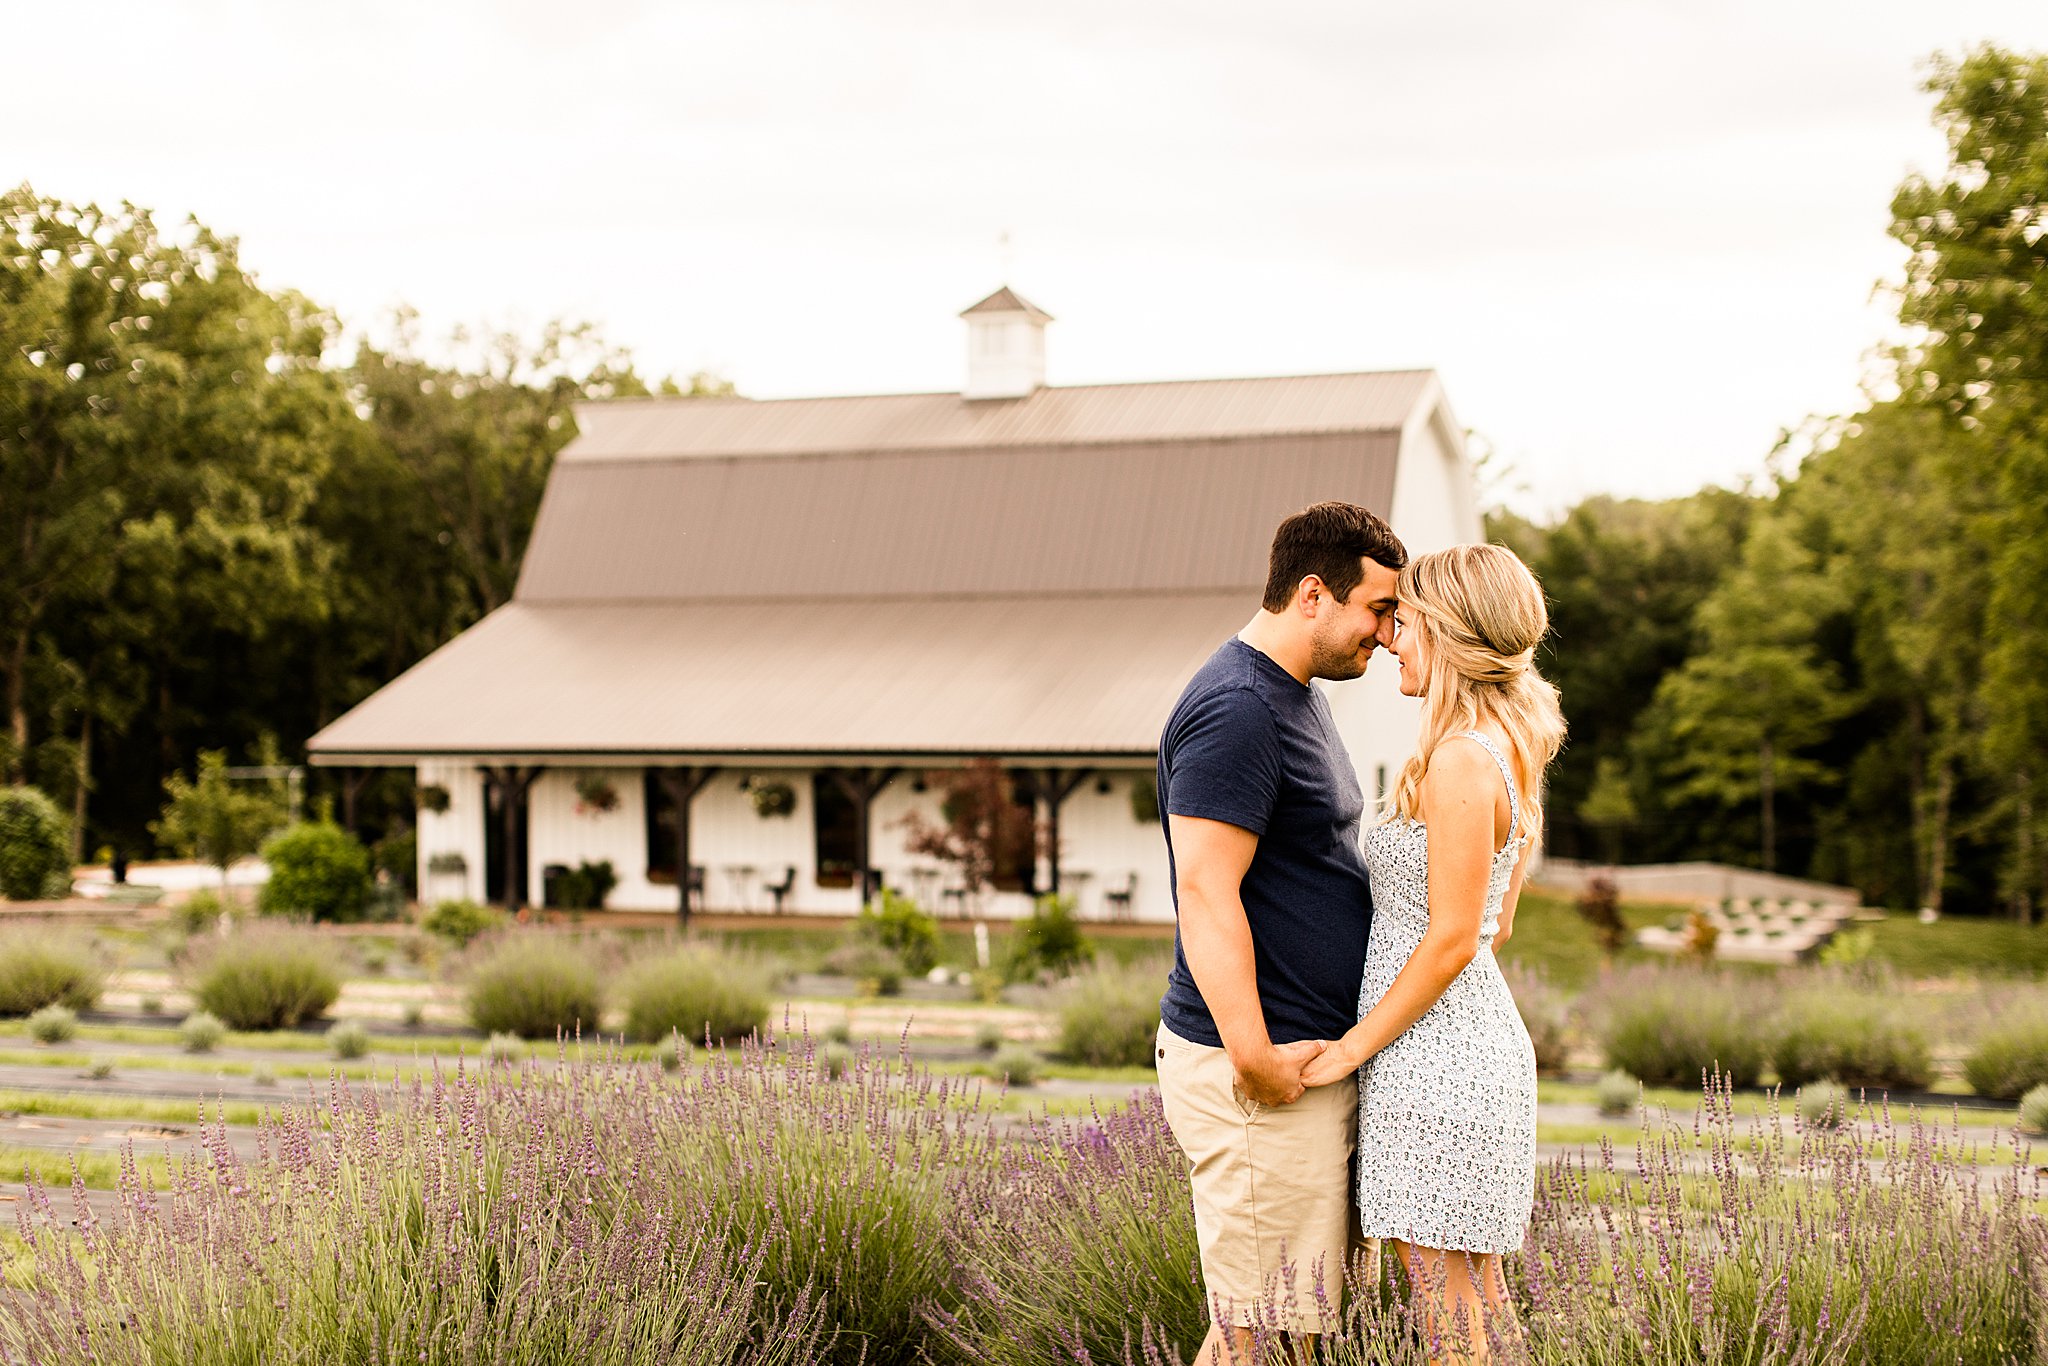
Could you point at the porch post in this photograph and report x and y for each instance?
(860, 786)
(682, 786)
(1054, 787)
(512, 783)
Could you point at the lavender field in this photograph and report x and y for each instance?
(756, 1209)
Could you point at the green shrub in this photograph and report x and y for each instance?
(582, 888)
(1546, 1014)
(503, 1049)
(1016, 1065)
(1832, 1029)
(152, 1005)
(263, 1074)
(200, 912)
(413, 1013)
(2011, 1056)
(668, 1054)
(1670, 1026)
(1617, 1094)
(876, 971)
(459, 922)
(101, 1069)
(839, 1031)
(535, 986)
(2034, 1111)
(348, 1040)
(988, 1038)
(899, 925)
(837, 1059)
(41, 967)
(1109, 1017)
(1824, 1105)
(397, 856)
(1847, 948)
(201, 1032)
(696, 992)
(317, 869)
(1048, 941)
(53, 1024)
(35, 846)
(265, 977)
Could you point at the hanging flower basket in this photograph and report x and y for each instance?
(774, 798)
(595, 795)
(449, 862)
(431, 797)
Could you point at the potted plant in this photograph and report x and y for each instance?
(431, 797)
(595, 795)
(773, 798)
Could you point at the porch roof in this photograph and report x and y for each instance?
(1038, 675)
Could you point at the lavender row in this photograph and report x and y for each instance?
(758, 1210)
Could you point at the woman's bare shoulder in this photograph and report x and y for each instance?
(1458, 767)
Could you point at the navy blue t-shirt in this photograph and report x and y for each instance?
(1251, 745)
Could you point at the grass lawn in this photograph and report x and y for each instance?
(100, 1171)
(1550, 936)
(141, 1109)
(1954, 945)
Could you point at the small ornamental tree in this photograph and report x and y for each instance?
(213, 819)
(983, 830)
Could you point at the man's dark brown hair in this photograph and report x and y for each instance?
(1329, 540)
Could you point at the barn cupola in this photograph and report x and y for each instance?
(1005, 346)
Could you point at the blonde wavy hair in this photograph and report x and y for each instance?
(1480, 613)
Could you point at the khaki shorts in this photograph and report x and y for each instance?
(1272, 1186)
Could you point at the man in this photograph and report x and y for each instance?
(1262, 811)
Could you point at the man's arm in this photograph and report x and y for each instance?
(1210, 859)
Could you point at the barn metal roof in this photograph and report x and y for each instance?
(1082, 415)
(1185, 516)
(904, 676)
(906, 574)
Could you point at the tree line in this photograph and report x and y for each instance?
(1845, 674)
(218, 532)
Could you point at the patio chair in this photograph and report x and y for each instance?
(1118, 899)
(696, 887)
(780, 890)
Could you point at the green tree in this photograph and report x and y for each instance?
(1624, 580)
(1977, 284)
(1741, 714)
(215, 819)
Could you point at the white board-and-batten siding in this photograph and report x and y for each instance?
(743, 852)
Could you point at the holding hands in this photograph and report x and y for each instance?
(1337, 1060)
(1278, 1075)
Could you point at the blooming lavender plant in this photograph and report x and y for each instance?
(754, 1211)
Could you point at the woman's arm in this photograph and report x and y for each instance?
(1513, 896)
(1458, 807)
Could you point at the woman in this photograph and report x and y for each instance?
(1447, 1079)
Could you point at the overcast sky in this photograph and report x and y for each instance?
(1637, 239)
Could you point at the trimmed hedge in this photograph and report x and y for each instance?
(1855, 1034)
(1109, 1017)
(317, 869)
(40, 968)
(263, 977)
(1671, 1026)
(35, 846)
(695, 992)
(535, 986)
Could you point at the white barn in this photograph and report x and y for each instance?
(731, 607)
